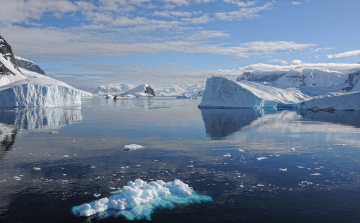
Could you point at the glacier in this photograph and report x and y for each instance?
(139, 199)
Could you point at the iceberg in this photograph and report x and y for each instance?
(139, 199)
(223, 93)
(21, 88)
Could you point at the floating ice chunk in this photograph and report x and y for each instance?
(37, 168)
(132, 147)
(66, 156)
(300, 167)
(17, 178)
(241, 150)
(97, 195)
(283, 169)
(260, 185)
(53, 132)
(227, 155)
(315, 174)
(261, 158)
(139, 199)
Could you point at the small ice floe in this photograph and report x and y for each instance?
(261, 158)
(283, 169)
(305, 183)
(36, 168)
(227, 155)
(241, 150)
(300, 167)
(97, 195)
(190, 166)
(92, 167)
(133, 147)
(315, 174)
(292, 149)
(260, 185)
(66, 156)
(53, 132)
(138, 200)
(17, 178)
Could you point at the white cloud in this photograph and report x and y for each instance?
(332, 67)
(296, 3)
(283, 62)
(17, 11)
(241, 3)
(243, 13)
(346, 54)
(174, 14)
(297, 62)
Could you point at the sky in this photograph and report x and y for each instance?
(95, 42)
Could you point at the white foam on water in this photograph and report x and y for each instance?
(139, 199)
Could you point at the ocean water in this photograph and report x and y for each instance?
(256, 165)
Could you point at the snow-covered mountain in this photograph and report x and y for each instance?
(174, 90)
(346, 80)
(113, 89)
(141, 90)
(23, 88)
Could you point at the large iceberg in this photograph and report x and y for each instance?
(223, 93)
(26, 89)
(138, 199)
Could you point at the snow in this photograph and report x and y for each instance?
(9, 65)
(30, 89)
(139, 199)
(173, 90)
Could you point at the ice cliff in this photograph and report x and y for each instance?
(27, 89)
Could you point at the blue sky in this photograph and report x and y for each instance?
(88, 43)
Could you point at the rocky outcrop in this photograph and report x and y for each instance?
(149, 91)
(7, 54)
(29, 65)
(352, 80)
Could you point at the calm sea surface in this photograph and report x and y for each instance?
(257, 165)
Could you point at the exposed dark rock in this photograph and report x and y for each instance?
(149, 91)
(6, 51)
(29, 65)
(353, 79)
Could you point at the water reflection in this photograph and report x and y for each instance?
(14, 121)
(221, 123)
(350, 118)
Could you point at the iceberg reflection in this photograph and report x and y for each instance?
(13, 121)
(221, 123)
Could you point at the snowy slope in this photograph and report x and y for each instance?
(28, 65)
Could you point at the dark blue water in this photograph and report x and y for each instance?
(257, 165)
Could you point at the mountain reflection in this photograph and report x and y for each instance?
(350, 118)
(221, 123)
(12, 122)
